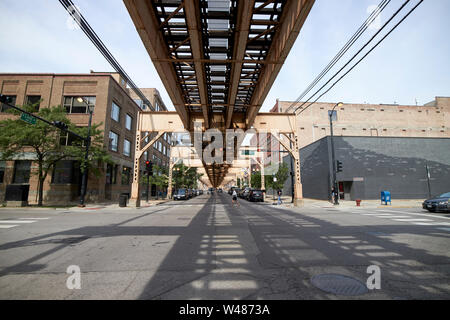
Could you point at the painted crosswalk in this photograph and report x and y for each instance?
(418, 219)
(11, 223)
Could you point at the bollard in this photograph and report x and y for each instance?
(358, 203)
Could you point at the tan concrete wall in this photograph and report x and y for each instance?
(371, 120)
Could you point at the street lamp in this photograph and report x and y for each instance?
(333, 156)
(86, 156)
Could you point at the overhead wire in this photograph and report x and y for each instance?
(360, 60)
(74, 12)
(375, 13)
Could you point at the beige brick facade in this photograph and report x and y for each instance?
(431, 120)
(107, 88)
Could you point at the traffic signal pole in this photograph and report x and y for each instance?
(333, 157)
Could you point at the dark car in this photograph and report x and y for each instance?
(256, 196)
(440, 203)
(219, 190)
(181, 194)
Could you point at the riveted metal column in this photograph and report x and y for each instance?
(135, 199)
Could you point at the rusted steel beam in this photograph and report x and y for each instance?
(147, 25)
(192, 12)
(245, 12)
(294, 15)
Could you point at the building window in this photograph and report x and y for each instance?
(128, 122)
(111, 173)
(126, 147)
(22, 170)
(113, 141)
(10, 100)
(34, 101)
(126, 175)
(2, 170)
(66, 172)
(72, 105)
(115, 112)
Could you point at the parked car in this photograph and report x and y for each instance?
(219, 190)
(439, 203)
(181, 194)
(256, 196)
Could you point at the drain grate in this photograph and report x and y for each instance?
(339, 284)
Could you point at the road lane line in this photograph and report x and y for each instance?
(16, 221)
(8, 226)
(34, 218)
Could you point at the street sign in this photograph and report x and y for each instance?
(28, 118)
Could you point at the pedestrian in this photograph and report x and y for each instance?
(235, 200)
(279, 196)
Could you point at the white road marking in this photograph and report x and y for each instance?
(8, 226)
(393, 217)
(413, 220)
(377, 214)
(34, 218)
(16, 221)
(416, 214)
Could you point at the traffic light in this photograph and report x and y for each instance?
(339, 166)
(60, 125)
(149, 167)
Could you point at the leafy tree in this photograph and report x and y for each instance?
(17, 136)
(159, 178)
(281, 175)
(185, 177)
(256, 180)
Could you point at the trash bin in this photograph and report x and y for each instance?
(123, 200)
(385, 197)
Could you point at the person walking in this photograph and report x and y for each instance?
(279, 197)
(235, 200)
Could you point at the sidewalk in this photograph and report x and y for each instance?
(89, 206)
(416, 203)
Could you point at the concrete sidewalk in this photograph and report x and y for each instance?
(286, 202)
(89, 206)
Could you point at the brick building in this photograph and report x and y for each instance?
(115, 108)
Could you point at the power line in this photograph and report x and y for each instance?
(95, 39)
(344, 49)
(359, 61)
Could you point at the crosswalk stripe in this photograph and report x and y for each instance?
(412, 220)
(416, 214)
(394, 217)
(16, 221)
(8, 226)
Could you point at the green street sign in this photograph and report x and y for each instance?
(27, 118)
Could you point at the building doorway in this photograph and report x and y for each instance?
(345, 188)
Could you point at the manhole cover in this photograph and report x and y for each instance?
(339, 284)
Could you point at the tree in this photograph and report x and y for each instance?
(281, 175)
(185, 177)
(256, 180)
(159, 178)
(44, 140)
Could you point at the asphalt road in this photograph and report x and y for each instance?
(206, 249)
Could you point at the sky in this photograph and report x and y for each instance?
(411, 65)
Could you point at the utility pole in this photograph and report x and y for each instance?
(428, 180)
(333, 156)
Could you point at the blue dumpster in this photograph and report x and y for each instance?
(385, 197)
